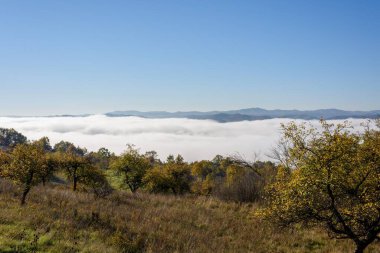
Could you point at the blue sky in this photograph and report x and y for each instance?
(96, 56)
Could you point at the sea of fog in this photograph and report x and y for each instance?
(194, 139)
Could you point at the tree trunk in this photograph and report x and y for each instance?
(74, 183)
(28, 185)
(132, 188)
(24, 194)
(360, 248)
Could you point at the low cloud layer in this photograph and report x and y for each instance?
(194, 139)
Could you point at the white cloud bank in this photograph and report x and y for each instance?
(194, 139)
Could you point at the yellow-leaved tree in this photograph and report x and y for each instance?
(330, 177)
(24, 166)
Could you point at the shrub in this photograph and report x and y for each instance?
(173, 176)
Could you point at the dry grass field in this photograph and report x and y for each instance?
(58, 220)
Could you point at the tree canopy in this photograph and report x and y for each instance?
(331, 179)
(133, 166)
(24, 166)
(9, 138)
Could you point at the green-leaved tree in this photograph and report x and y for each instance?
(133, 166)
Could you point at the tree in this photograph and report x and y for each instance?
(74, 165)
(209, 176)
(65, 146)
(201, 171)
(101, 159)
(73, 161)
(5, 159)
(50, 164)
(179, 174)
(51, 161)
(173, 176)
(9, 138)
(333, 182)
(133, 166)
(23, 166)
(80, 169)
(94, 179)
(157, 181)
(152, 157)
(45, 143)
(246, 180)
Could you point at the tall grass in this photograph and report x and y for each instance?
(58, 220)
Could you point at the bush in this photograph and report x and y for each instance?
(173, 176)
(245, 188)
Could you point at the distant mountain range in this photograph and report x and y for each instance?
(252, 114)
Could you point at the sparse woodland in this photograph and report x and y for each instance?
(320, 193)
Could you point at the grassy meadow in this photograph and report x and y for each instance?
(59, 220)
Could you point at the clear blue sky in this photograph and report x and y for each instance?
(96, 56)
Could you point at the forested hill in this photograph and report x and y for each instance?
(252, 114)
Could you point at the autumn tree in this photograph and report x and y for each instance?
(65, 146)
(5, 160)
(179, 173)
(173, 176)
(156, 180)
(50, 160)
(93, 179)
(133, 166)
(152, 157)
(201, 171)
(246, 179)
(73, 162)
(330, 177)
(101, 158)
(9, 138)
(209, 175)
(45, 143)
(23, 166)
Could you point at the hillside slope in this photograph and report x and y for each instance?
(58, 220)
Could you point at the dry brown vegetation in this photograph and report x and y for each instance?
(59, 220)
